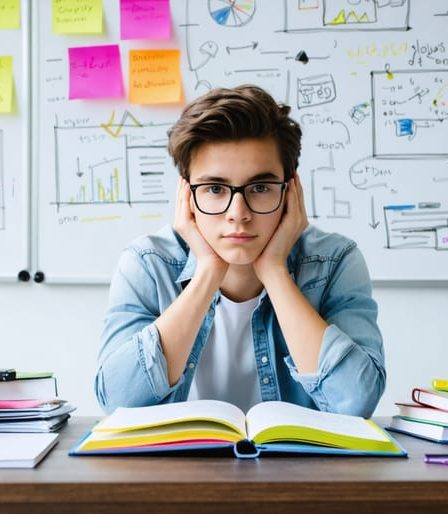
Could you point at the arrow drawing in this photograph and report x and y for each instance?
(252, 46)
(374, 224)
(79, 173)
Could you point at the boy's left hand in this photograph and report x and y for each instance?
(291, 226)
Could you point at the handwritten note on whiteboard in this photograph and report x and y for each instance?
(77, 16)
(9, 14)
(145, 19)
(6, 84)
(154, 76)
(95, 72)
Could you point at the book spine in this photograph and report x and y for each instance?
(246, 449)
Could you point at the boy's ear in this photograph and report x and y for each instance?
(192, 203)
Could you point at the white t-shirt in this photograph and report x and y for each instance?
(227, 368)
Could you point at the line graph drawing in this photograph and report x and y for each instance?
(232, 13)
(115, 132)
(345, 15)
(2, 186)
(344, 12)
(121, 163)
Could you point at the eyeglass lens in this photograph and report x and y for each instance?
(262, 197)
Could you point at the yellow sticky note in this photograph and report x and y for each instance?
(78, 16)
(6, 84)
(9, 14)
(154, 76)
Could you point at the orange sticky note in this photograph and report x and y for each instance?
(9, 14)
(154, 76)
(6, 84)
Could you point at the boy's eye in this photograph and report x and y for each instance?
(259, 188)
(216, 189)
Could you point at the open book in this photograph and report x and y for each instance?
(272, 426)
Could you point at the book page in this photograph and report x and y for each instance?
(132, 418)
(271, 414)
(166, 434)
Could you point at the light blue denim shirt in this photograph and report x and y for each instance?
(330, 271)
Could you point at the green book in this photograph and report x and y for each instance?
(21, 375)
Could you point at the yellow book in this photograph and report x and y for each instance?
(440, 384)
(211, 425)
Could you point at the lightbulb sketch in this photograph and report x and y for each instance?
(231, 13)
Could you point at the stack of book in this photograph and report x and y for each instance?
(426, 416)
(29, 403)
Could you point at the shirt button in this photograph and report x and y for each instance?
(264, 359)
(265, 380)
(191, 365)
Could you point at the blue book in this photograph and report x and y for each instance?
(425, 430)
(216, 426)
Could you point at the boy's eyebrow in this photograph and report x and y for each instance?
(266, 175)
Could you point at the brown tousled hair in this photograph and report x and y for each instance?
(230, 114)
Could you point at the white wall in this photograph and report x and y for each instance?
(57, 328)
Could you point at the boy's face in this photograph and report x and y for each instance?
(238, 235)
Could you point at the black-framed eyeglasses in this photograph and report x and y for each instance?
(260, 197)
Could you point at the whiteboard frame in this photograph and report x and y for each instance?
(35, 140)
(25, 173)
(382, 281)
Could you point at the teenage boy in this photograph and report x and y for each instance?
(241, 300)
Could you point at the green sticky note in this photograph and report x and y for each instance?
(77, 16)
(9, 14)
(6, 84)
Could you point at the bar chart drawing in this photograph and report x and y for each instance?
(107, 164)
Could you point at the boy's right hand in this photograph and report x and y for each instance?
(185, 225)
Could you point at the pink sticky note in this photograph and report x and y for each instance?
(145, 19)
(95, 72)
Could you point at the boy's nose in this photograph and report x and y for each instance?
(238, 209)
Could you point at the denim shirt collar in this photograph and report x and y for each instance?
(188, 270)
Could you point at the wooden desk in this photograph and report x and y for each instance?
(300, 485)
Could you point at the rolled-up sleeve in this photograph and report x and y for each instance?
(132, 370)
(351, 373)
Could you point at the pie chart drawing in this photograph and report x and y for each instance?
(231, 13)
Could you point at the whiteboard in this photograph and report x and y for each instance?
(14, 156)
(367, 80)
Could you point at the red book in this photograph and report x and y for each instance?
(436, 399)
